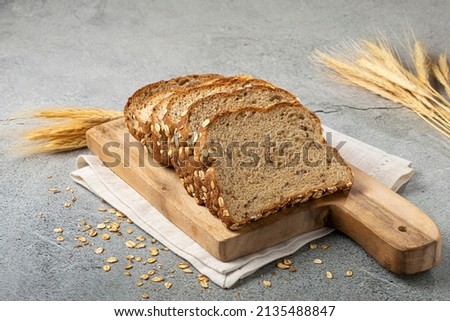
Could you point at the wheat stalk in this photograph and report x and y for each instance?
(375, 66)
(66, 129)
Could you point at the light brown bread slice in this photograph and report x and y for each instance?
(262, 160)
(260, 96)
(167, 114)
(136, 119)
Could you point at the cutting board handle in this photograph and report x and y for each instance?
(395, 232)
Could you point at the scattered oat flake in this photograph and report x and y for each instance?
(282, 266)
(349, 273)
(139, 283)
(58, 230)
(74, 199)
(112, 259)
(145, 276)
(138, 258)
(287, 261)
(267, 283)
(154, 251)
(93, 233)
(101, 226)
(54, 190)
(101, 209)
(145, 296)
(130, 257)
(292, 269)
(127, 273)
(60, 238)
(68, 189)
(153, 240)
(151, 272)
(312, 246)
(129, 231)
(201, 277)
(87, 227)
(112, 211)
(317, 261)
(128, 267)
(204, 284)
(140, 245)
(187, 270)
(107, 268)
(99, 250)
(329, 274)
(168, 285)
(158, 279)
(67, 204)
(324, 246)
(129, 221)
(165, 249)
(151, 260)
(140, 238)
(183, 265)
(105, 236)
(82, 239)
(130, 244)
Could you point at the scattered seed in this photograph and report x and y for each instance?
(68, 189)
(349, 273)
(129, 221)
(187, 271)
(140, 238)
(101, 226)
(144, 276)
(107, 268)
(54, 190)
(206, 122)
(221, 202)
(87, 227)
(82, 239)
(145, 296)
(130, 244)
(183, 265)
(101, 209)
(140, 245)
(151, 272)
(112, 211)
(99, 250)
(201, 277)
(282, 266)
(120, 215)
(93, 233)
(128, 267)
(267, 283)
(113, 227)
(112, 259)
(105, 236)
(74, 199)
(139, 283)
(329, 274)
(129, 231)
(60, 238)
(154, 251)
(168, 285)
(151, 260)
(324, 246)
(130, 257)
(312, 246)
(317, 261)
(204, 284)
(127, 273)
(67, 204)
(153, 241)
(165, 249)
(287, 261)
(58, 230)
(158, 279)
(138, 259)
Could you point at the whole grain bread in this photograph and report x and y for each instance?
(139, 105)
(168, 112)
(260, 96)
(261, 160)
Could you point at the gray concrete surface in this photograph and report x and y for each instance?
(97, 53)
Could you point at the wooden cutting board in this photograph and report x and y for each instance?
(396, 233)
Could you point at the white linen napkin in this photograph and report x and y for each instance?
(390, 170)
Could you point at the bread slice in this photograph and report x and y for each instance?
(260, 96)
(167, 114)
(262, 160)
(139, 106)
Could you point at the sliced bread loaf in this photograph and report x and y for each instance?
(262, 160)
(140, 104)
(167, 114)
(260, 96)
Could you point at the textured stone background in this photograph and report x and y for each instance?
(97, 53)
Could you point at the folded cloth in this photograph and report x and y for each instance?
(390, 170)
